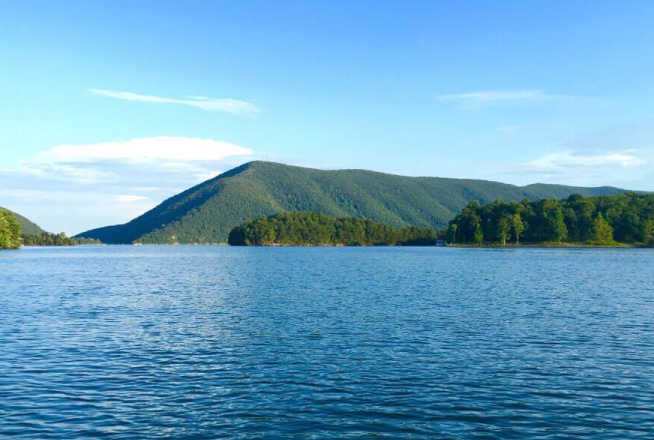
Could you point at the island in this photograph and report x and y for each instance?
(314, 229)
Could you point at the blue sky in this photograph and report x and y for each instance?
(109, 107)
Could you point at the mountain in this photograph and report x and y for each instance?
(207, 212)
(29, 227)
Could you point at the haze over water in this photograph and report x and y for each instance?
(421, 343)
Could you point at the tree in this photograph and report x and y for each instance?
(552, 219)
(10, 230)
(602, 230)
(479, 235)
(560, 230)
(648, 232)
(452, 232)
(503, 228)
(518, 226)
(627, 226)
(579, 216)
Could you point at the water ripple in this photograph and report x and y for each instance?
(213, 342)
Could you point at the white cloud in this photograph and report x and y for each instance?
(128, 198)
(79, 187)
(483, 98)
(564, 160)
(227, 105)
(147, 188)
(622, 168)
(64, 173)
(81, 210)
(146, 150)
(208, 175)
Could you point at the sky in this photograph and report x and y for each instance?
(109, 107)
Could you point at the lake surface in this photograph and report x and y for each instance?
(326, 343)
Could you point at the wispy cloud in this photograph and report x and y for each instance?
(618, 167)
(228, 105)
(70, 173)
(111, 182)
(482, 98)
(147, 149)
(565, 160)
(130, 198)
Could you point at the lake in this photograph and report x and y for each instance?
(184, 342)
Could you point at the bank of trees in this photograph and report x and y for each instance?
(48, 239)
(602, 220)
(12, 236)
(10, 230)
(309, 228)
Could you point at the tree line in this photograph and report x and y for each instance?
(49, 239)
(12, 237)
(313, 229)
(601, 220)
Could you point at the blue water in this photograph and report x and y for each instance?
(322, 343)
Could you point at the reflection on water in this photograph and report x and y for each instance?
(217, 342)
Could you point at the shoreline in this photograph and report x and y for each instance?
(552, 245)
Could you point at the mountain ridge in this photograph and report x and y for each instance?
(207, 212)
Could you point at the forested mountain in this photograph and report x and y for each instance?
(313, 229)
(207, 212)
(601, 220)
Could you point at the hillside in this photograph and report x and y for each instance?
(207, 212)
(29, 227)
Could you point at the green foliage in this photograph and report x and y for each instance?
(313, 229)
(479, 235)
(647, 233)
(504, 227)
(627, 218)
(451, 233)
(209, 211)
(27, 226)
(10, 230)
(48, 239)
(602, 230)
(518, 225)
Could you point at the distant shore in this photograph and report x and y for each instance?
(548, 245)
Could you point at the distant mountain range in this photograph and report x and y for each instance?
(207, 212)
(29, 227)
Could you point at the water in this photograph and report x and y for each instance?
(322, 343)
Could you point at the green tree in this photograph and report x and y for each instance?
(648, 232)
(479, 235)
(518, 226)
(553, 224)
(602, 230)
(452, 233)
(10, 230)
(560, 230)
(503, 228)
